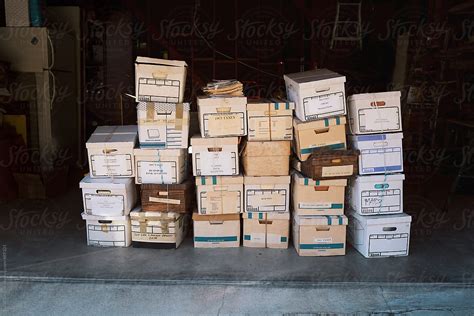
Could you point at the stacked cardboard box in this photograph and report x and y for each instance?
(266, 161)
(378, 227)
(323, 164)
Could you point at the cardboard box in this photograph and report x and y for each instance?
(266, 158)
(270, 120)
(267, 194)
(163, 125)
(176, 198)
(377, 194)
(110, 151)
(371, 113)
(379, 153)
(160, 80)
(331, 164)
(216, 231)
(317, 94)
(266, 230)
(107, 231)
(318, 197)
(160, 166)
(320, 235)
(220, 195)
(215, 156)
(329, 133)
(222, 116)
(108, 196)
(380, 236)
(158, 230)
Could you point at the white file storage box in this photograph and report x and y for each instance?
(108, 231)
(380, 236)
(108, 196)
(215, 156)
(267, 194)
(160, 80)
(222, 116)
(163, 125)
(317, 94)
(377, 194)
(220, 195)
(371, 113)
(160, 166)
(379, 153)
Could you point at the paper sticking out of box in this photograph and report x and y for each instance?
(160, 166)
(266, 230)
(331, 164)
(108, 196)
(267, 194)
(317, 94)
(220, 194)
(163, 125)
(317, 197)
(320, 235)
(222, 116)
(158, 230)
(110, 151)
(373, 113)
(381, 235)
(379, 153)
(107, 231)
(329, 133)
(216, 231)
(271, 158)
(377, 194)
(215, 156)
(175, 198)
(270, 120)
(160, 80)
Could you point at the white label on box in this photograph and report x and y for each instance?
(257, 237)
(323, 105)
(106, 235)
(388, 245)
(220, 202)
(266, 200)
(325, 240)
(381, 201)
(216, 163)
(111, 165)
(379, 119)
(337, 171)
(224, 124)
(163, 172)
(314, 205)
(163, 200)
(104, 202)
(381, 160)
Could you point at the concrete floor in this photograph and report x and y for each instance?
(48, 269)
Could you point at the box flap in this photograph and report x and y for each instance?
(328, 220)
(157, 61)
(374, 96)
(267, 180)
(219, 180)
(105, 183)
(376, 137)
(301, 180)
(221, 217)
(318, 124)
(197, 140)
(159, 152)
(104, 218)
(267, 148)
(316, 75)
(267, 215)
(380, 178)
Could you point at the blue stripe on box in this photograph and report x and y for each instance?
(287, 105)
(250, 215)
(246, 237)
(340, 220)
(214, 180)
(215, 238)
(326, 122)
(260, 216)
(329, 219)
(366, 138)
(150, 145)
(203, 180)
(306, 181)
(338, 121)
(277, 106)
(382, 169)
(283, 239)
(333, 146)
(322, 246)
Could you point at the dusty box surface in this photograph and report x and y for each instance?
(270, 120)
(270, 158)
(222, 116)
(220, 194)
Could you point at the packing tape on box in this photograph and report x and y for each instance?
(150, 111)
(162, 218)
(179, 116)
(160, 74)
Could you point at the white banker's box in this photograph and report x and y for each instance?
(379, 153)
(160, 166)
(222, 116)
(108, 196)
(159, 80)
(267, 194)
(215, 156)
(317, 94)
(163, 125)
(110, 151)
(108, 231)
(380, 236)
(377, 194)
(371, 113)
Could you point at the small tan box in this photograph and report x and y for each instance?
(270, 120)
(222, 116)
(220, 194)
(216, 231)
(266, 158)
(266, 230)
(267, 194)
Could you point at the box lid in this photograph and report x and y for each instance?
(138, 215)
(301, 180)
(267, 180)
(267, 148)
(197, 140)
(310, 76)
(159, 153)
(219, 180)
(157, 61)
(221, 217)
(380, 178)
(120, 129)
(162, 107)
(272, 104)
(376, 137)
(111, 140)
(105, 183)
(381, 219)
(318, 124)
(89, 217)
(318, 220)
(379, 96)
(266, 215)
(221, 101)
